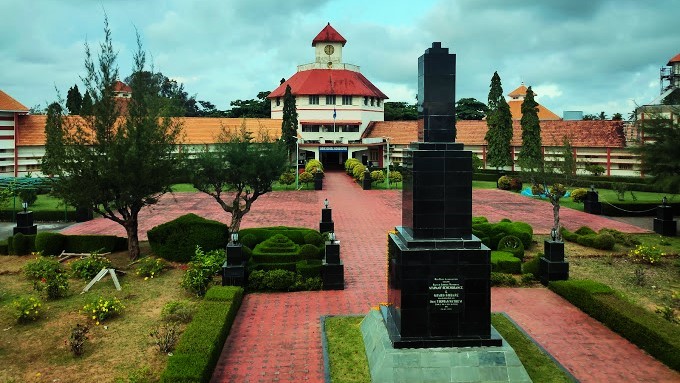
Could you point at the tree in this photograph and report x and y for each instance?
(400, 111)
(617, 117)
(499, 122)
(87, 105)
(54, 139)
(602, 116)
(567, 165)
(289, 123)
(590, 117)
(470, 109)
(255, 108)
(111, 163)
(74, 100)
(530, 157)
(236, 171)
(659, 152)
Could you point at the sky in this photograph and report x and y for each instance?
(587, 55)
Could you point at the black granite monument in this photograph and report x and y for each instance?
(664, 223)
(25, 223)
(439, 292)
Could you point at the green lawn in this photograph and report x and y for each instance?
(348, 363)
(483, 184)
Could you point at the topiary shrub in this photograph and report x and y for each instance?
(587, 237)
(314, 166)
(278, 280)
(4, 247)
(50, 243)
(502, 279)
(377, 176)
(531, 266)
(358, 172)
(491, 233)
(92, 243)
(305, 177)
(309, 251)
(579, 195)
(624, 239)
(23, 244)
(309, 268)
(350, 164)
(584, 230)
(176, 240)
(504, 262)
(515, 184)
(249, 240)
(314, 238)
(276, 249)
(504, 183)
(604, 241)
(512, 245)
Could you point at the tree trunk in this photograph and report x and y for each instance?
(556, 219)
(235, 225)
(133, 239)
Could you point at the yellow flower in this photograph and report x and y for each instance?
(146, 278)
(97, 323)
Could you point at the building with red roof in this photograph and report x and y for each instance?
(516, 100)
(334, 101)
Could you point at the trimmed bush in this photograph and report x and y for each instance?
(358, 172)
(624, 239)
(584, 230)
(502, 279)
(504, 262)
(579, 195)
(176, 240)
(295, 234)
(531, 266)
(278, 248)
(648, 331)
(585, 236)
(309, 252)
(309, 268)
(504, 183)
(50, 243)
(512, 245)
(23, 244)
(248, 240)
(492, 233)
(314, 238)
(92, 243)
(313, 165)
(4, 247)
(200, 346)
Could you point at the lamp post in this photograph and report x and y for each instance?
(24, 205)
(297, 160)
(389, 160)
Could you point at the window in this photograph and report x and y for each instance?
(372, 101)
(378, 101)
(313, 100)
(346, 100)
(278, 101)
(310, 128)
(351, 128)
(365, 100)
(330, 100)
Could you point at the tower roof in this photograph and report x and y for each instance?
(120, 86)
(521, 91)
(341, 82)
(675, 59)
(7, 103)
(329, 35)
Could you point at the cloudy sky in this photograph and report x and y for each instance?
(589, 55)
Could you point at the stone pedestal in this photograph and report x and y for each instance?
(366, 182)
(326, 224)
(25, 223)
(664, 223)
(318, 181)
(552, 266)
(234, 268)
(332, 269)
(591, 204)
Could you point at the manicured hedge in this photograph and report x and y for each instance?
(50, 243)
(261, 234)
(54, 243)
(504, 262)
(309, 268)
(492, 233)
(41, 215)
(648, 331)
(201, 343)
(587, 237)
(176, 240)
(4, 248)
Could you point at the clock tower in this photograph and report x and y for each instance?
(328, 47)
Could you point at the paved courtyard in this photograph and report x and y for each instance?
(276, 337)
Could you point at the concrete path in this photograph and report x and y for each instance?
(276, 338)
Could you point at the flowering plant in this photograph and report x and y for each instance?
(54, 285)
(28, 309)
(150, 267)
(645, 254)
(103, 308)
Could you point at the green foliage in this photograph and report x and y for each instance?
(305, 177)
(77, 338)
(400, 111)
(477, 162)
(88, 267)
(278, 248)
(350, 164)
(645, 254)
(22, 244)
(395, 177)
(567, 165)
(91, 243)
(377, 176)
(114, 163)
(579, 195)
(4, 247)
(512, 245)
(178, 311)
(309, 268)
(223, 294)
(248, 240)
(470, 109)
(313, 166)
(504, 183)
(42, 267)
(150, 267)
(658, 154)
(314, 238)
(289, 123)
(287, 178)
(594, 169)
(646, 330)
(295, 234)
(200, 346)
(499, 135)
(176, 240)
(283, 280)
(201, 270)
(492, 233)
(74, 100)
(50, 243)
(587, 237)
(505, 262)
(308, 251)
(53, 285)
(621, 238)
(27, 309)
(236, 170)
(358, 172)
(530, 157)
(531, 266)
(165, 337)
(100, 309)
(502, 279)
(28, 195)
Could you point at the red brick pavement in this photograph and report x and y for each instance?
(275, 337)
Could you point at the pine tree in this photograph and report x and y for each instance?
(87, 105)
(499, 122)
(530, 157)
(289, 123)
(114, 164)
(54, 139)
(74, 100)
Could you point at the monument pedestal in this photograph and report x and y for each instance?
(552, 266)
(234, 268)
(326, 224)
(332, 270)
(592, 204)
(664, 223)
(25, 224)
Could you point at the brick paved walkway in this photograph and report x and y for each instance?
(276, 337)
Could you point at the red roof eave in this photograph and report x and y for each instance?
(675, 59)
(329, 35)
(339, 82)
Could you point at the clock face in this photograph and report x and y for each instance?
(329, 49)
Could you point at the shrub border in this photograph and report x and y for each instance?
(201, 344)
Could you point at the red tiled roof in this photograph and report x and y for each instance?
(120, 86)
(328, 82)
(197, 130)
(675, 59)
(472, 132)
(544, 114)
(519, 92)
(329, 35)
(7, 103)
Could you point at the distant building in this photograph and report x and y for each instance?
(516, 100)
(10, 112)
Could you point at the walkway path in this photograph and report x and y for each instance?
(276, 337)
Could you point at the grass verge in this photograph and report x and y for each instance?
(348, 363)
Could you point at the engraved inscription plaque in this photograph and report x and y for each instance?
(446, 295)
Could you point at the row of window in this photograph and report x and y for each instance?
(330, 128)
(331, 100)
